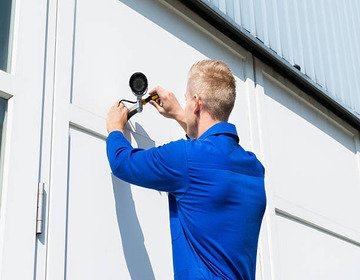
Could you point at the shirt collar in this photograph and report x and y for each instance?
(221, 128)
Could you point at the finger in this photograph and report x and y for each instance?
(156, 105)
(158, 90)
(153, 92)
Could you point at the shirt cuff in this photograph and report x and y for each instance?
(115, 132)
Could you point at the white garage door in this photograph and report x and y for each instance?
(312, 166)
(100, 227)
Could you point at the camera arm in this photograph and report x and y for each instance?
(137, 108)
(138, 84)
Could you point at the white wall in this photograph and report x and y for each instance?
(110, 228)
(312, 177)
(98, 227)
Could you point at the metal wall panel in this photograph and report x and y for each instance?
(319, 36)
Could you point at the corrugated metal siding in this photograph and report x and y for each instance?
(323, 37)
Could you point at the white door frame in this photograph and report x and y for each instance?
(61, 29)
(23, 87)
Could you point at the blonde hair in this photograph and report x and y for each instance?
(213, 81)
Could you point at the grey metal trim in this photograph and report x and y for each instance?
(242, 37)
(299, 220)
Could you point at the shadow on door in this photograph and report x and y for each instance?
(132, 237)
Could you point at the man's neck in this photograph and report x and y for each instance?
(205, 122)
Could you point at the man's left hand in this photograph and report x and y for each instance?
(117, 117)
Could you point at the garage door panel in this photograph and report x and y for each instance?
(311, 160)
(111, 232)
(113, 39)
(303, 250)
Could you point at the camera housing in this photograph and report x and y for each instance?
(138, 84)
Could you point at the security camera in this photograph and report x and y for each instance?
(138, 84)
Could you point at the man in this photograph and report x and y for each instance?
(216, 188)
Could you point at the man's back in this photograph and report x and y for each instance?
(216, 199)
(215, 223)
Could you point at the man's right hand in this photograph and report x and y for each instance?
(168, 106)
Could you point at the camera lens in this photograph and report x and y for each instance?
(138, 83)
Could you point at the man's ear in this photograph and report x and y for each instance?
(197, 104)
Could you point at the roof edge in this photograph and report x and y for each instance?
(242, 37)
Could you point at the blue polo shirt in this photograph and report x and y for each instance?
(216, 198)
